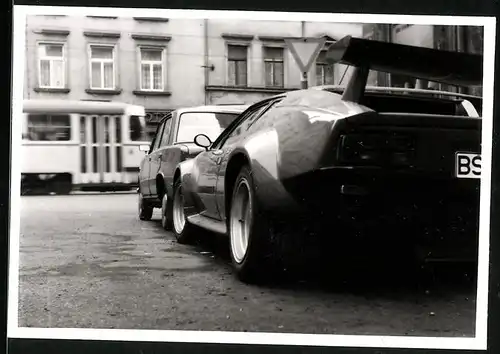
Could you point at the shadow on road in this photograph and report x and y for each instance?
(382, 280)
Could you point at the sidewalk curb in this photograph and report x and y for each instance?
(102, 193)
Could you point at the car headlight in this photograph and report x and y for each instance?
(374, 149)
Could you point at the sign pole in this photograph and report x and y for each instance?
(303, 81)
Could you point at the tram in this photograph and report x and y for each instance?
(81, 145)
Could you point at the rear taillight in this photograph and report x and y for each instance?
(374, 149)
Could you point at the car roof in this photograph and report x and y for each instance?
(233, 108)
(80, 106)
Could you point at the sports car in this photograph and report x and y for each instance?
(395, 170)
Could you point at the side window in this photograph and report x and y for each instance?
(262, 112)
(150, 130)
(243, 125)
(141, 129)
(166, 132)
(254, 116)
(156, 141)
(153, 119)
(43, 127)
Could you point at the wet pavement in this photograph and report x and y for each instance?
(87, 261)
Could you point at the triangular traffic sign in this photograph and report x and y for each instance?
(305, 50)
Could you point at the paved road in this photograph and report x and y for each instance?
(87, 261)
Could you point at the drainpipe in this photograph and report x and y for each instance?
(206, 68)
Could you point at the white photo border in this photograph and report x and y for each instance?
(479, 342)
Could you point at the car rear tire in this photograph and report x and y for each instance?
(166, 212)
(182, 229)
(145, 210)
(249, 233)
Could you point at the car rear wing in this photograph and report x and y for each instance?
(452, 68)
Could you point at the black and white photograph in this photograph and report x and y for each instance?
(228, 177)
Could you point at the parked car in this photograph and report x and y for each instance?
(353, 165)
(174, 143)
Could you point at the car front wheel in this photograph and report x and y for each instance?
(181, 227)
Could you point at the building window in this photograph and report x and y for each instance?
(102, 69)
(43, 127)
(273, 61)
(324, 71)
(237, 65)
(51, 65)
(152, 78)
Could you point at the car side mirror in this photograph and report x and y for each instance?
(144, 148)
(203, 141)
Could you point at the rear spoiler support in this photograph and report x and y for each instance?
(355, 88)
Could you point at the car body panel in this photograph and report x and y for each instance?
(143, 177)
(205, 180)
(154, 169)
(154, 158)
(295, 139)
(262, 152)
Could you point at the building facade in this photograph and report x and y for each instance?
(249, 60)
(163, 64)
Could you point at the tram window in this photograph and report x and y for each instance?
(140, 133)
(42, 127)
(136, 129)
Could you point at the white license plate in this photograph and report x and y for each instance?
(467, 165)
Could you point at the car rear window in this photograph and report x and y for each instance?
(415, 103)
(209, 123)
(408, 104)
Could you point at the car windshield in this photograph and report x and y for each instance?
(209, 123)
